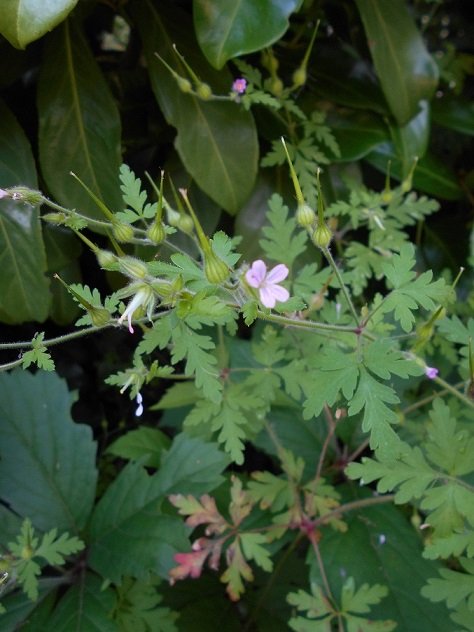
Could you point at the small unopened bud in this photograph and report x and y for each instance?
(215, 269)
(185, 224)
(156, 233)
(407, 182)
(322, 236)
(305, 216)
(269, 61)
(276, 86)
(54, 218)
(122, 232)
(26, 553)
(133, 268)
(106, 259)
(203, 90)
(99, 316)
(299, 77)
(184, 84)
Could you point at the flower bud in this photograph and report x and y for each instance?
(156, 233)
(24, 194)
(204, 91)
(215, 269)
(185, 224)
(99, 316)
(106, 259)
(276, 86)
(269, 61)
(26, 552)
(54, 218)
(299, 77)
(122, 232)
(305, 216)
(133, 268)
(184, 84)
(322, 236)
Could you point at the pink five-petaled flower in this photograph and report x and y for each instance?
(431, 372)
(266, 282)
(239, 86)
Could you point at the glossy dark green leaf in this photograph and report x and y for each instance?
(130, 533)
(216, 140)
(381, 547)
(79, 124)
(411, 140)
(229, 28)
(20, 609)
(47, 465)
(406, 71)
(23, 21)
(24, 288)
(454, 113)
(344, 79)
(357, 133)
(431, 175)
(86, 607)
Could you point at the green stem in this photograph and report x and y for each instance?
(454, 391)
(327, 253)
(307, 324)
(356, 504)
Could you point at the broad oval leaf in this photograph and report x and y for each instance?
(229, 28)
(47, 462)
(407, 72)
(24, 288)
(411, 140)
(216, 140)
(454, 113)
(79, 125)
(357, 133)
(24, 21)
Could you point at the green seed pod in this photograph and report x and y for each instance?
(156, 233)
(106, 259)
(184, 84)
(122, 232)
(204, 91)
(23, 194)
(99, 316)
(305, 216)
(299, 77)
(322, 236)
(133, 268)
(270, 62)
(215, 269)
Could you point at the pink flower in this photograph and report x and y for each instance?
(431, 372)
(3, 193)
(266, 283)
(239, 86)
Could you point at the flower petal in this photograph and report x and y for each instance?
(279, 293)
(256, 274)
(266, 296)
(278, 273)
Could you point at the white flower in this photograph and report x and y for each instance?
(267, 283)
(139, 410)
(144, 297)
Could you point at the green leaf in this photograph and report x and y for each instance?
(144, 444)
(226, 28)
(357, 133)
(432, 174)
(138, 608)
(283, 241)
(41, 443)
(38, 355)
(24, 21)
(79, 125)
(411, 139)
(135, 197)
(453, 586)
(253, 550)
(86, 607)
(405, 69)
(381, 547)
(24, 288)
(454, 113)
(129, 532)
(216, 140)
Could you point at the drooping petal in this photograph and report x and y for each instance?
(266, 296)
(139, 410)
(279, 293)
(256, 274)
(277, 274)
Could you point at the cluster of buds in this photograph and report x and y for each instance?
(22, 194)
